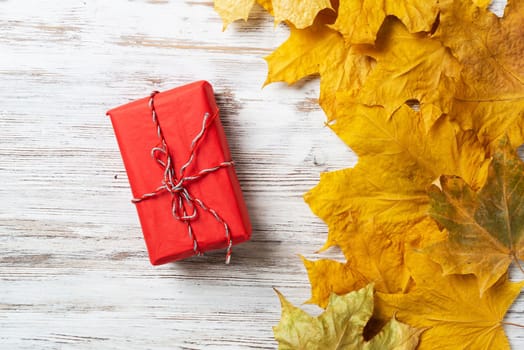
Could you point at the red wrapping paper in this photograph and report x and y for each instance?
(180, 113)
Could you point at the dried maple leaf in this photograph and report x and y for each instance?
(360, 20)
(409, 67)
(490, 93)
(375, 253)
(307, 51)
(232, 10)
(373, 256)
(398, 160)
(450, 308)
(298, 12)
(341, 326)
(486, 229)
(319, 50)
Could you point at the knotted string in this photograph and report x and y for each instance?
(184, 206)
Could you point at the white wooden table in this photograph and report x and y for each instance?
(74, 272)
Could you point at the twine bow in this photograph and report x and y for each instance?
(184, 206)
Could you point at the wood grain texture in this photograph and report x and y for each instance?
(74, 273)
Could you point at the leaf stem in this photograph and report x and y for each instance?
(513, 324)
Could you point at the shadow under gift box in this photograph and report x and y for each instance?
(180, 114)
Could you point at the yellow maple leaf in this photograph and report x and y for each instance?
(360, 20)
(375, 254)
(319, 50)
(409, 67)
(486, 229)
(341, 326)
(232, 10)
(398, 160)
(307, 51)
(450, 308)
(490, 93)
(299, 13)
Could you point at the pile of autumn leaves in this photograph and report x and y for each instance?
(430, 95)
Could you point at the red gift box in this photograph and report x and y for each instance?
(179, 167)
